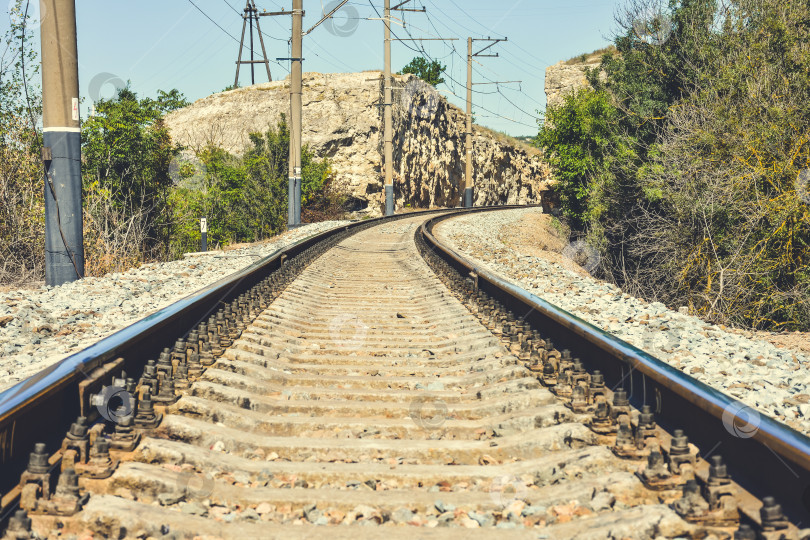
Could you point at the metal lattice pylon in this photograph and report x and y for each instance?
(250, 15)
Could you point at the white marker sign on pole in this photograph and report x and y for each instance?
(203, 225)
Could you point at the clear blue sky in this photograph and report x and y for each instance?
(171, 44)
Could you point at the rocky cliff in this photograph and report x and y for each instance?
(568, 76)
(429, 139)
(343, 122)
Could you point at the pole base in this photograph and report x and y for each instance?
(468, 197)
(294, 202)
(64, 249)
(389, 200)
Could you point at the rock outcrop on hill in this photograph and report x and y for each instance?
(568, 76)
(429, 150)
(343, 122)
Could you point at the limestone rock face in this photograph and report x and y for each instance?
(342, 121)
(566, 77)
(429, 155)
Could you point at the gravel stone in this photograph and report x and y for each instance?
(312, 513)
(484, 519)
(442, 507)
(402, 515)
(757, 373)
(602, 501)
(168, 499)
(193, 508)
(40, 327)
(533, 511)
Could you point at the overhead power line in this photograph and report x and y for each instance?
(326, 16)
(212, 20)
(233, 8)
(231, 35)
(524, 65)
(424, 52)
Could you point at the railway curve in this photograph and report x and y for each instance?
(370, 380)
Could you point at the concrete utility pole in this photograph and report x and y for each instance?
(296, 60)
(467, 188)
(388, 117)
(294, 201)
(388, 137)
(64, 251)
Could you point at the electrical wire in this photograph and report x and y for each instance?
(265, 34)
(452, 54)
(233, 8)
(482, 75)
(470, 17)
(499, 91)
(212, 20)
(335, 59)
(513, 89)
(525, 64)
(524, 94)
(530, 115)
(499, 115)
(205, 35)
(424, 52)
(421, 50)
(326, 51)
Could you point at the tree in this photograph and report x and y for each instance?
(732, 237)
(126, 155)
(430, 72)
(580, 138)
(171, 100)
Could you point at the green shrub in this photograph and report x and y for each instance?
(245, 198)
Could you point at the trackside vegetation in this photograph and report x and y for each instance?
(683, 162)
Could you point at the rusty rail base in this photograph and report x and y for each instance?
(768, 458)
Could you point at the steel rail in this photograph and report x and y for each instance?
(42, 407)
(764, 456)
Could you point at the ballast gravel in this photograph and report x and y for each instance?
(40, 327)
(771, 380)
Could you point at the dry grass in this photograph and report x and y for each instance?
(22, 229)
(503, 138)
(593, 57)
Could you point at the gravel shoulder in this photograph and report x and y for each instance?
(39, 327)
(768, 372)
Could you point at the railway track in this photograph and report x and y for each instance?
(366, 389)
